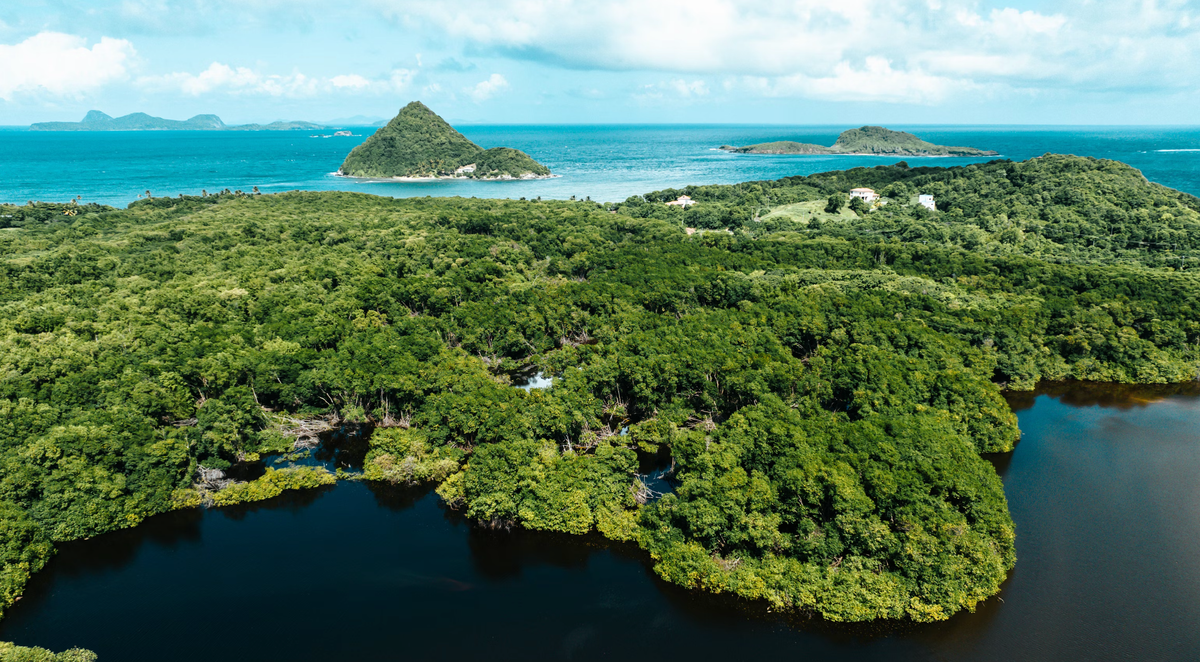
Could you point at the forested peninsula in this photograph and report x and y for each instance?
(864, 141)
(98, 121)
(417, 143)
(825, 380)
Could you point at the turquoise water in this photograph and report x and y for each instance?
(605, 163)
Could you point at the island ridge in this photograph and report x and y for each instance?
(98, 121)
(864, 141)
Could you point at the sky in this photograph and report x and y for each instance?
(1068, 62)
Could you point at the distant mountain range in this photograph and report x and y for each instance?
(98, 121)
(868, 140)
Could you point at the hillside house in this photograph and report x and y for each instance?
(682, 201)
(926, 201)
(865, 194)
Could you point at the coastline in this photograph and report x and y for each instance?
(437, 178)
(900, 155)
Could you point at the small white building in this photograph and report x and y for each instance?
(926, 201)
(465, 170)
(865, 194)
(682, 201)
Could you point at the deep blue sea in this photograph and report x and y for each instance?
(604, 163)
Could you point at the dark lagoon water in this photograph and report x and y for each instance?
(1103, 488)
(605, 163)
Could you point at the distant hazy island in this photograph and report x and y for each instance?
(98, 121)
(868, 140)
(419, 144)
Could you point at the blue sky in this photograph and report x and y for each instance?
(569, 61)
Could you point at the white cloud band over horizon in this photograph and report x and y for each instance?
(57, 64)
(674, 53)
(219, 77)
(851, 49)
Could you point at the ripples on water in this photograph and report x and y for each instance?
(605, 163)
(1102, 488)
(1102, 485)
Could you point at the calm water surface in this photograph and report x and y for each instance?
(1102, 487)
(605, 163)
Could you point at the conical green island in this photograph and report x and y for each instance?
(874, 140)
(419, 143)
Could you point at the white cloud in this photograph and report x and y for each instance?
(219, 77)
(876, 81)
(351, 81)
(673, 92)
(399, 79)
(62, 65)
(696, 88)
(910, 51)
(486, 89)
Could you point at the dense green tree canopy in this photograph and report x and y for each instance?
(419, 143)
(1061, 209)
(825, 392)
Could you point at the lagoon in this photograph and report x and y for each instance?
(1102, 489)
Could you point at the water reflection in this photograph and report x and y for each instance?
(529, 382)
(292, 501)
(397, 498)
(344, 447)
(1102, 488)
(1097, 394)
(503, 555)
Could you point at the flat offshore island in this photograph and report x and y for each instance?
(864, 141)
(824, 377)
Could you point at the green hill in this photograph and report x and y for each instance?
(98, 121)
(864, 140)
(878, 140)
(1059, 208)
(506, 161)
(419, 143)
(779, 147)
(825, 383)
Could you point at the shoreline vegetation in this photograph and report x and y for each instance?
(864, 141)
(824, 376)
(438, 178)
(98, 121)
(10, 652)
(418, 145)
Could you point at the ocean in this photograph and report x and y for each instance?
(604, 163)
